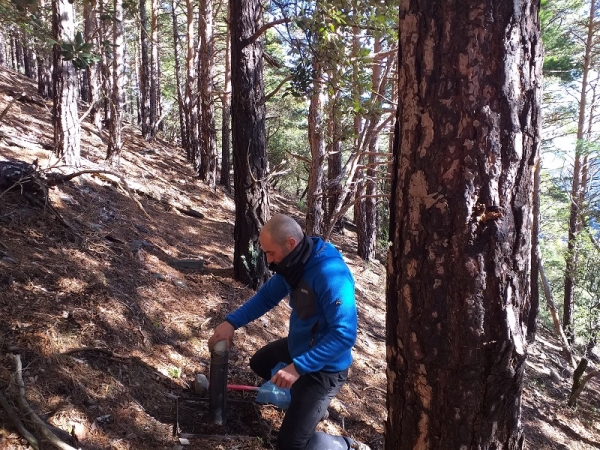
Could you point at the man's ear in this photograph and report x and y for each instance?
(291, 243)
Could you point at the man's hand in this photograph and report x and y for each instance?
(223, 331)
(285, 377)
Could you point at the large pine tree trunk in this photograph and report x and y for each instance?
(65, 115)
(208, 135)
(115, 141)
(250, 163)
(461, 218)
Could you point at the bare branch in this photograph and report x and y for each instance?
(279, 86)
(264, 28)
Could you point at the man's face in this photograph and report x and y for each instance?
(273, 251)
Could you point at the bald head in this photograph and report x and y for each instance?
(279, 237)
(281, 228)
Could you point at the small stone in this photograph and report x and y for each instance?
(79, 431)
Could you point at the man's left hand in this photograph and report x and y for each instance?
(285, 377)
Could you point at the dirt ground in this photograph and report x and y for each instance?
(110, 332)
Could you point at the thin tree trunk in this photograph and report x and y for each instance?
(226, 116)
(180, 95)
(154, 71)
(334, 156)
(367, 237)
(576, 195)
(65, 115)
(28, 59)
(250, 163)
(458, 289)
(18, 50)
(13, 52)
(535, 257)
(105, 74)
(145, 73)
(208, 136)
(554, 313)
(115, 141)
(93, 71)
(44, 67)
(192, 142)
(314, 196)
(2, 49)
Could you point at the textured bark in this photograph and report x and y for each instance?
(154, 73)
(44, 68)
(13, 52)
(366, 236)
(93, 79)
(29, 60)
(577, 187)
(64, 79)
(144, 72)
(192, 140)
(105, 73)
(250, 163)
(535, 257)
(208, 134)
(177, 67)
(314, 195)
(18, 50)
(460, 228)
(2, 49)
(115, 141)
(334, 156)
(226, 117)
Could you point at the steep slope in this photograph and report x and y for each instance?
(110, 331)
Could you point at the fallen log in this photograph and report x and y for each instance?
(30, 180)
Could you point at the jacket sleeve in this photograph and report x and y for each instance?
(267, 297)
(335, 293)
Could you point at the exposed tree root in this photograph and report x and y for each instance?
(10, 412)
(41, 426)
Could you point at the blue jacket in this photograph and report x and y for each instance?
(323, 321)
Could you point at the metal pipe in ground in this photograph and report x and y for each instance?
(217, 387)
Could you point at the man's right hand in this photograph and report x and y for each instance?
(223, 331)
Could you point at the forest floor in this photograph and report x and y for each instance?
(110, 333)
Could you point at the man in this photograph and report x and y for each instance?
(322, 330)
